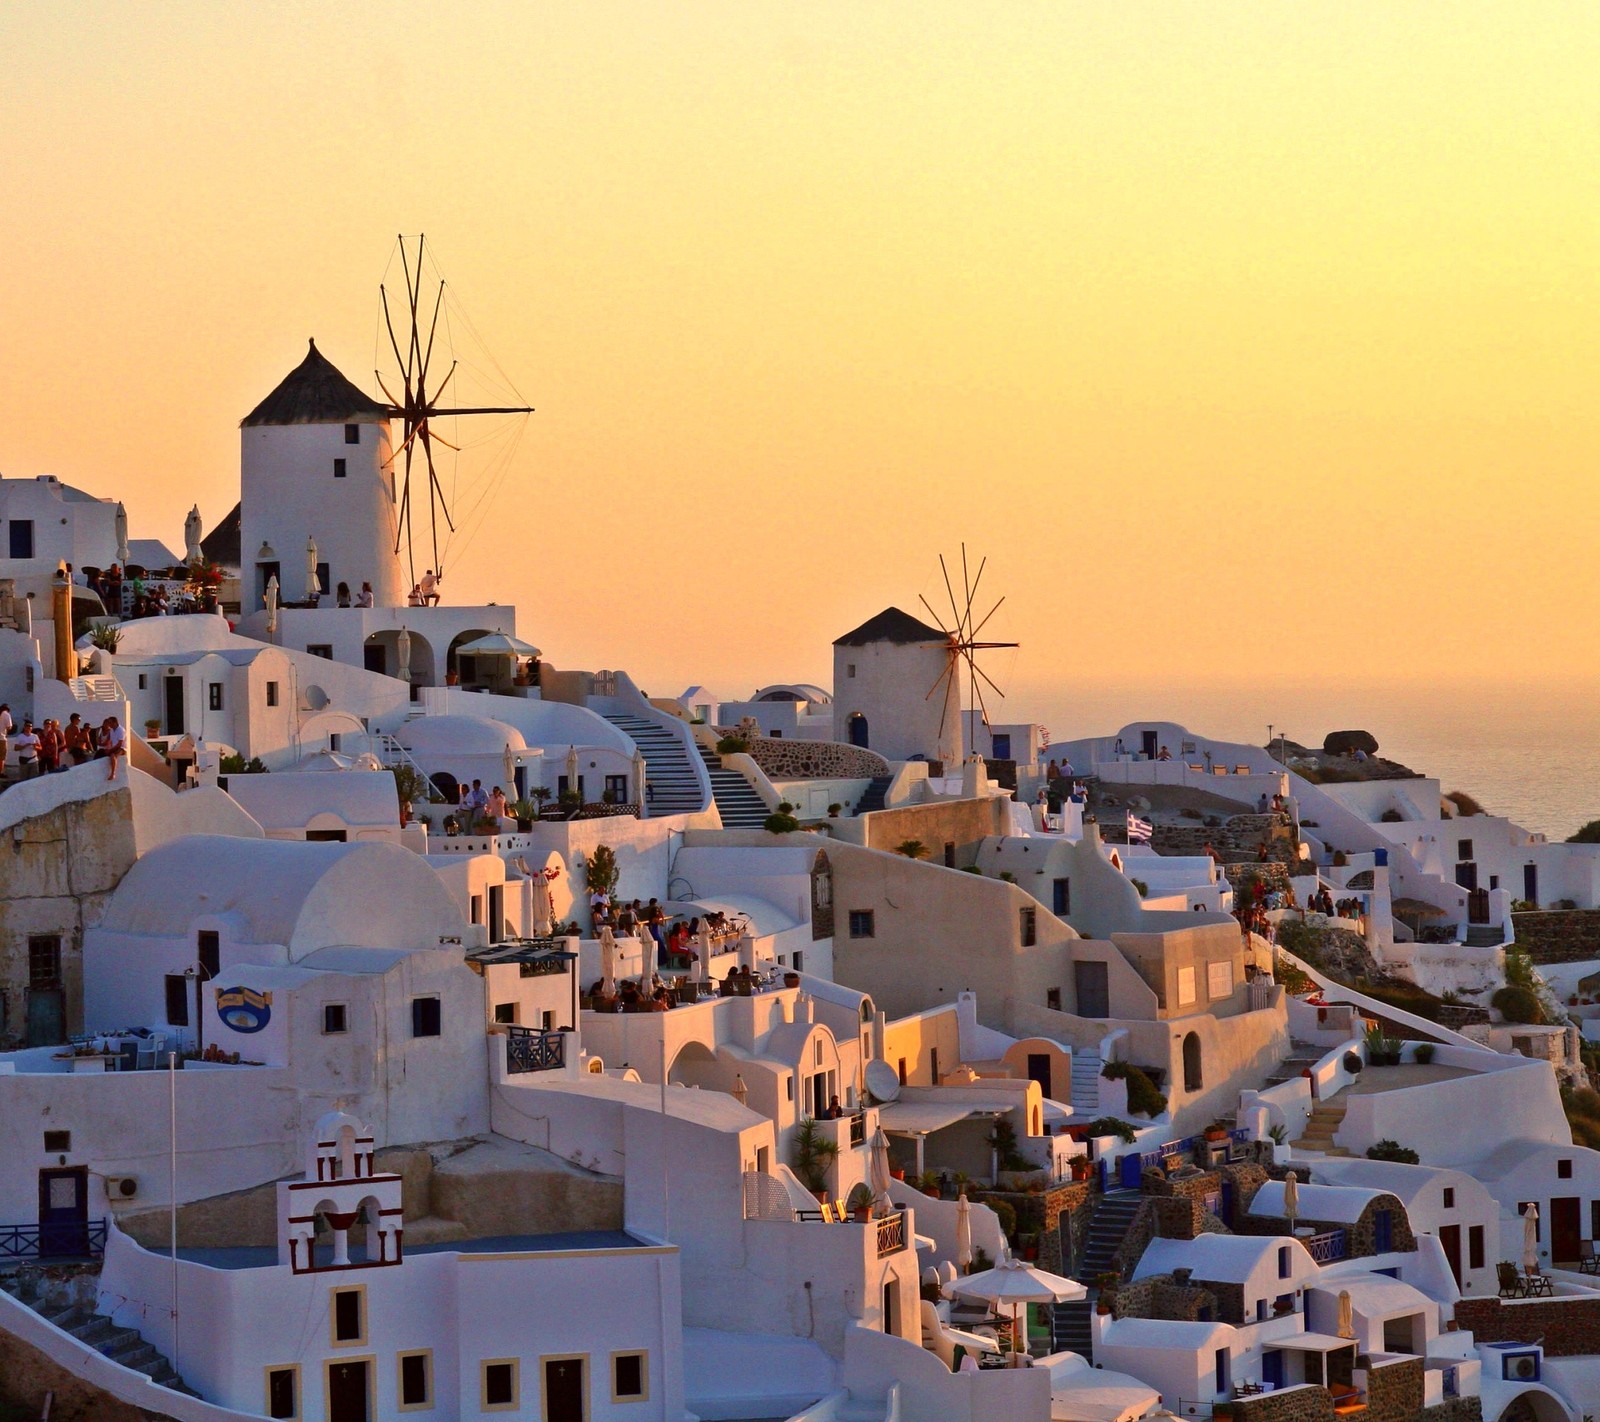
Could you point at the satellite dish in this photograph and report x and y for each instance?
(883, 1081)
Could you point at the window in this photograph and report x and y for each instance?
(547, 1021)
(335, 1019)
(498, 1385)
(144, 682)
(949, 854)
(416, 1380)
(1475, 1247)
(1029, 925)
(177, 1000)
(1463, 849)
(283, 1392)
(44, 960)
(349, 1316)
(352, 434)
(1449, 1198)
(1052, 999)
(208, 947)
(850, 669)
(1186, 986)
(214, 695)
(630, 1377)
(22, 538)
(505, 1012)
(1061, 897)
(1219, 979)
(861, 924)
(338, 469)
(57, 1142)
(320, 649)
(1563, 1170)
(425, 1017)
(616, 791)
(1285, 1264)
(799, 961)
(900, 1068)
(272, 693)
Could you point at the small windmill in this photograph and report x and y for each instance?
(963, 646)
(417, 407)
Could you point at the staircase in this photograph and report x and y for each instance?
(391, 754)
(1301, 1055)
(95, 1330)
(737, 802)
(872, 797)
(1326, 1118)
(671, 786)
(1070, 1323)
(1085, 1084)
(1485, 935)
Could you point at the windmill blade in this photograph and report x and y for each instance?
(955, 612)
(966, 585)
(971, 595)
(985, 675)
(985, 622)
(938, 621)
(978, 692)
(433, 330)
(943, 677)
(952, 672)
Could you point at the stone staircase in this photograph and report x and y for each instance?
(1301, 1055)
(737, 801)
(1326, 1118)
(95, 1330)
(1086, 1084)
(1070, 1323)
(672, 788)
(872, 798)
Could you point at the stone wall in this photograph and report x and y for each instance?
(1454, 1409)
(1567, 1326)
(1040, 1214)
(785, 759)
(1394, 1391)
(1246, 1178)
(1558, 935)
(1297, 1404)
(961, 822)
(1161, 1296)
(1236, 839)
(1360, 1237)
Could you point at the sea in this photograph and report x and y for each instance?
(1531, 752)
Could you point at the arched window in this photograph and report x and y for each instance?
(856, 728)
(1192, 1079)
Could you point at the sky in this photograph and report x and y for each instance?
(1249, 343)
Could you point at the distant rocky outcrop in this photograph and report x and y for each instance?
(1348, 742)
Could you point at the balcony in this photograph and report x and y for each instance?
(71, 1239)
(891, 1234)
(1327, 1247)
(528, 1049)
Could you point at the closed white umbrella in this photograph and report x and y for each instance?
(122, 536)
(1347, 1323)
(702, 966)
(270, 599)
(572, 769)
(608, 961)
(1291, 1198)
(191, 536)
(963, 1233)
(740, 1092)
(878, 1168)
(1015, 1285)
(1530, 1239)
(638, 781)
(313, 582)
(402, 655)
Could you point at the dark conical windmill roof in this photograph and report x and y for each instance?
(315, 393)
(891, 625)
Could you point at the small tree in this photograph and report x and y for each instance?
(813, 1154)
(780, 823)
(600, 871)
(1589, 834)
(912, 849)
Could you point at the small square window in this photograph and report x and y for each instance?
(500, 1385)
(505, 1012)
(272, 693)
(850, 669)
(1563, 1170)
(352, 434)
(57, 1142)
(339, 469)
(283, 1392)
(214, 695)
(177, 1000)
(1464, 849)
(22, 538)
(349, 1316)
(335, 1019)
(208, 948)
(320, 649)
(1449, 1198)
(425, 1018)
(1029, 926)
(144, 682)
(630, 1377)
(862, 924)
(416, 1380)
(1052, 999)
(44, 960)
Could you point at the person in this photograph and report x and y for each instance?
(627, 919)
(364, 597)
(1120, 748)
(1053, 771)
(50, 745)
(1262, 803)
(1066, 769)
(835, 1110)
(476, 799)
(6, 727)
(428, 586)
(496, 804)
(1164, 754)
(414, 597)
(341, 595)
(114, 742)
(654, 917)
(25, 747)
(79, 740)
(599, 907)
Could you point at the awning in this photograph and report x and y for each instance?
(917, 1118)
(1310, 1343)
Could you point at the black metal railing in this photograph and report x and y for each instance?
(892, 1233)
(74, 1240)
(858, 1128)
(528, 1049)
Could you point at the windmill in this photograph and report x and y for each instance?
(418, 405)
(962, 646)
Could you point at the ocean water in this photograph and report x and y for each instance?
(1531, 752)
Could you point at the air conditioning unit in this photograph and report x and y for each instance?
(1523, 1367)
(122, 1187)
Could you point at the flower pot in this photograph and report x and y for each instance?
(895, 1173)
(523, 826)
(791, 980)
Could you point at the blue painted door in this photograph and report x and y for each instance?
(1382, 1232)
(63, 1213)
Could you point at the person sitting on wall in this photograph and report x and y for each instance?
(428, 586)
(414, 597)
(1164, 754)
(341, 595)
(364, 597)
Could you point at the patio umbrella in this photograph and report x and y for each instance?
(1291, 1198)
(1015, 1285)
(191, 536)
(1530, 1239)
(1347, 1326)
(879, 1171)
(963, 1233)
(703, 947)
(541, 912)
(497, 644)
(313, 582)
(402, 655)
(638, 779)
(608, 961)
(572, 769)
(740, 1092)
(747, 951)
(270, 601)
(122, 536)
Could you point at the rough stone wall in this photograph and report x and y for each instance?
(1298, 1404)
(962, 822)
(1229, 1297)
(785, 759)
(1567, 1326)
(1236, 839)
(1246, 1178)
(1394, 1391)
(1159, 1296)
(1360, 1237)
(1454, 1409)
(1558, 935)
(1178, 1218)
(1040, 1214)
(57, 874)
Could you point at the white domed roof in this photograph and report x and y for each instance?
(460, 735)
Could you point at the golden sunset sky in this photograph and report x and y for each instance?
(1215, 326)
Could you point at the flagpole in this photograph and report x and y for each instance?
(172, 1191)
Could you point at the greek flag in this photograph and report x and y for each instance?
(1139, 831)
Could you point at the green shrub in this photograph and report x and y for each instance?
(1393, 1150)
(912, 849)
(1391, 817)
(1006, 1214)
(780, 823)
(813, 1153)
(1143, 1098)
(1519, 970)
(1141, 886)
(1589, 834)
(1422, 1053)
(732, 745)
(1519, 1005)
(237, 765)
(1111, 1126)
(1465, 804)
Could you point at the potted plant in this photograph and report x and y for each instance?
(834, 809)
(152, 727)
(791, 979)
(1217, 1131)
(525, 812)
(860, 1204)
(570, 801)
(813, 1153)
(1080, 1167)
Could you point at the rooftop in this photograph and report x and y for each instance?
(316, 393)
(891, 625)
(266, 1256)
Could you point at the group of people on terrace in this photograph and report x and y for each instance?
(52, 747)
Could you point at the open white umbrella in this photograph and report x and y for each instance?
(963, 1233)
(122, 536)
(608, 961)
(1530, 1239)
(1291, 1198)
(402, 655)
(497, 644)
(1015, 1285)
(879, 1170)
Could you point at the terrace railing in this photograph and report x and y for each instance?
(73, 1240)
(1327, 1247)
(892, 1233)
(529, 1049)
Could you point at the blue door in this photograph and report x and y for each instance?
(1132, 1172)
(63, 1213)
(1223, 1377)
(1272, 1367)
(1382, 1231)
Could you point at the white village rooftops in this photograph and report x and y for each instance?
(460, 735)
(1342, 1204)
(1374, 1296)
(1393, 1177)
(1223, 1258)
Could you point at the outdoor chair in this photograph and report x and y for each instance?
(1538, 1287)
(1588, 1260)
(1512, 1284)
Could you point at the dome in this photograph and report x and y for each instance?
(460, 735)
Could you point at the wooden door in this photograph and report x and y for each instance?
(1093, 984)
(172, 693)
(347, 1391)
(1566, 1229)
(563, 1391)
(1450, 1242)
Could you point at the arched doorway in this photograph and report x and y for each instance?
(856, 729)
(469, 670)
(1192, 1079)
(696, 1065)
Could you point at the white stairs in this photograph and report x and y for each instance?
(1085, 1083)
